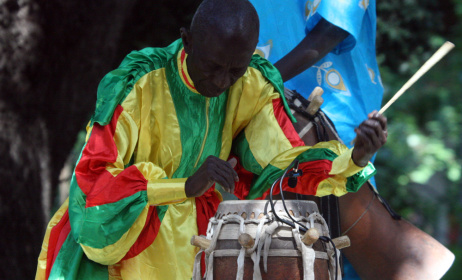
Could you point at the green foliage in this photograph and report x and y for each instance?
(420, 167)
(456, 270)
(408, 31)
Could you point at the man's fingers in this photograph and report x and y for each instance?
(370, 133)
(226, 183)
(373, 125)
(378, 117)
(229, 177)
(213, 170)
(376, 126)
(233, 162)
(370, 136)
(384, 137)
(362, 140)
(382, 121)
(222, 172)
(367, 141)
(372, 114)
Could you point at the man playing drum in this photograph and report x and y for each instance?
(165, 123)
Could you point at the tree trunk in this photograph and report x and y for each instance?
(52, 56)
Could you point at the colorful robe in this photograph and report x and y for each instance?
(127, 216)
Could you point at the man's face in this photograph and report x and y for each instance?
(215, 63)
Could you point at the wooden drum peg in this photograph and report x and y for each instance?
(317, 91)
(314, 105)
(311, 236)
(342, 242)
(246, 240)
(201, 242)
(315, 101)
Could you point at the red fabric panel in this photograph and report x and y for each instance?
(241, 188)
(285, 123)
(57, 237)
(206, 207)
(147, 235)
(98, 184)
(314, 172)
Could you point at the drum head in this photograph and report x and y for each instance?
(257, 209)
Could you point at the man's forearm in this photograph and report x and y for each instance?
(319, 42)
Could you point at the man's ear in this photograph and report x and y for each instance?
(187, 39)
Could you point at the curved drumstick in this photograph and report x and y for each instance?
(437, 56)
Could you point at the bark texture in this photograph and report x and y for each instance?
(52, 56)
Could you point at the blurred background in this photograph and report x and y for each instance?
(54, 53)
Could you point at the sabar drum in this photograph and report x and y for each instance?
(245, 241)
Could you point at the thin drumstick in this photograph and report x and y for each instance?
(437, 56)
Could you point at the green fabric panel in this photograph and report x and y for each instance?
(217, 117)
(355, 182)
(161, 210)
(117, 84)
(190, 109)
(77, 202)
(105, 224)
(271, 173)
(242, 150)
(272, 74)
(71, 263)
(263, 182)
(102, 225)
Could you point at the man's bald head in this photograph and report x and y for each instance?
(225, 19)
(220, 44)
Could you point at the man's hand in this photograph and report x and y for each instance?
(213, 170)
(371, 134)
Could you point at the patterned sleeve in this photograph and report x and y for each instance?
(116, 205)
(268, 145)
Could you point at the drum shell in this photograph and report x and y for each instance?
(284, 260)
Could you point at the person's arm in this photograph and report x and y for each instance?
(110, 199)
(319, 42)
(269, 144)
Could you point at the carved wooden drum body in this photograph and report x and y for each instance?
(275, 250)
